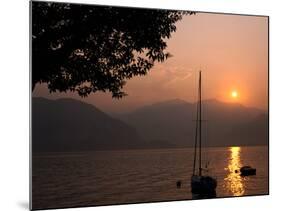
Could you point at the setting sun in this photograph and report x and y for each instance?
(234, 94)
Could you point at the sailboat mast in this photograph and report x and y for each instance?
(196, 137)
(200, 121)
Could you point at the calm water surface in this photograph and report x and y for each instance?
(110, 177)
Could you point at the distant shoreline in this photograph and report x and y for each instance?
(137, 149)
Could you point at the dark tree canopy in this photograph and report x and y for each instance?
(84, 48)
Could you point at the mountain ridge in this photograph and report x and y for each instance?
(72, 125)
(175, 122)
(67, 124)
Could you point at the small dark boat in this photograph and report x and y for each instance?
(202, 185)
(247, 171)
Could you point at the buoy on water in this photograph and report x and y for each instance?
(179, 184)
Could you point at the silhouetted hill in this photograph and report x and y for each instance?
(71, 125)
(173, 121)
(254, 132)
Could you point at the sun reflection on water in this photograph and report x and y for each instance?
(233, 181)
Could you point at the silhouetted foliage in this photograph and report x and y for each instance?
(88, 48)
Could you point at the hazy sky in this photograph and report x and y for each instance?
(231, 51)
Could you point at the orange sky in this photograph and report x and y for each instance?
(231, 50)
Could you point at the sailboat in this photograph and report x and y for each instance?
(202, 185)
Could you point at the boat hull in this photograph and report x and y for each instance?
(203, 185)
(247, 171)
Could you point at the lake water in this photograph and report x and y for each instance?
(130, 176)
